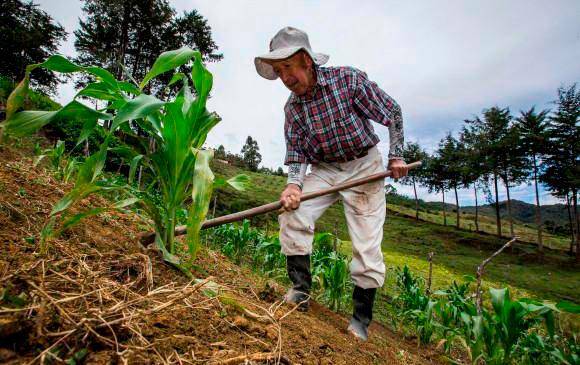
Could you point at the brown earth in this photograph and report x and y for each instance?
(98, 295)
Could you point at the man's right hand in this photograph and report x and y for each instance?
(290, 197)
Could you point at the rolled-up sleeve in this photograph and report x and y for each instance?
(375, 104)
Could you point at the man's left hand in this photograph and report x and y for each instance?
(399, 168)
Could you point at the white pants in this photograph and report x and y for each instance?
(364, 207)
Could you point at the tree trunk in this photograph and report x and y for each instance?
(538, 209)
(444, 210)
(509, 209)
(457, 204)
(124, 39)
(416, 200)
(497, 216)
(476, 208)
(572, 235)
(575, 201)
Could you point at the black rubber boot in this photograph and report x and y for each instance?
(362, 302)
(298, 267)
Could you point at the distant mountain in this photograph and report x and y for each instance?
(525, 212)
(554, 217)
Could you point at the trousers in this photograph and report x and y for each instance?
(365, 209)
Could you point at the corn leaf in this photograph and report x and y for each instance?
(27, 122)
(88, 128)
(239, 182)
(201, 196)
(133, 167)
(168, 61)
(60, 64)
(140, 107)
(16, 98)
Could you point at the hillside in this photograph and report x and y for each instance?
(406, 241)
(100, 298)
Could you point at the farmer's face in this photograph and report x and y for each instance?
(296, 73)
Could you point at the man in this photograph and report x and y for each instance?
(327, 125)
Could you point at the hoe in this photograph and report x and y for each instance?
(148, 237)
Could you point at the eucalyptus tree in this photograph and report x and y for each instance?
(436, 179)
(533, 129)
(474, 163)
(514, 168)
(492, 131)
(562, 173)
(413, 152)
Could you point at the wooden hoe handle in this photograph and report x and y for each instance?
(147, 238)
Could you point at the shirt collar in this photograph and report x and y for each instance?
(321, 80)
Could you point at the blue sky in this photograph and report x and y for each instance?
(443, 61)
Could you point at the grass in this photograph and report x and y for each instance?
(406, 241)
(486, 224)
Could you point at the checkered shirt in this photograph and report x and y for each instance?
(332, 123)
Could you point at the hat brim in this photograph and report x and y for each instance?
(266, 70)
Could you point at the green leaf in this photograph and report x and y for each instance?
(168, 61)
(79, 111)
(27, 122)
(128, 87)
(125, 203)
(77, 217)
(16, 98)
(133, 167)
(103, 75)
(178, 76)
(59, 63)
(140, 107)
(569, 307)
(201, 196)
(239, 182)
(88, 127)
(97, 90)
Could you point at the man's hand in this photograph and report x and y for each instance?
(290, 197)
(399, 168)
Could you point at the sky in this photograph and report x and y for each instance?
(442, 61)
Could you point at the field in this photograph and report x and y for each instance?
(457, 252)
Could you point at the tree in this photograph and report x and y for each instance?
(562, 173)
(28, 35)
(474, 168)
(436, 179)
(492, 132)
(132, 32)
(533, 128)
(251, 154)
(414, 152)
(451, 167)
(220, 152)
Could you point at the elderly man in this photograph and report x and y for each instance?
(327, 126)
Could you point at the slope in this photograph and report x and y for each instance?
(97, 297)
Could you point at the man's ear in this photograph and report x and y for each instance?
(306, 59)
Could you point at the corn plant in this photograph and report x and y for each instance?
(236, 242)
(268, 256)
(63, 167)
(335, 281)
(164, 137)
(417, 307)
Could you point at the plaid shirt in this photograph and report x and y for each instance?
(332, 122)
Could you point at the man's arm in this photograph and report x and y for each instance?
(373, 103)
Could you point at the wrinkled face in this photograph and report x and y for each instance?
(296, 73)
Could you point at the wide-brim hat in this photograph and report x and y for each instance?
(286, 43)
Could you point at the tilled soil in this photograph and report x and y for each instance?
(98, 297)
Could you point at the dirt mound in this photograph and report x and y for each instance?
(97, 297)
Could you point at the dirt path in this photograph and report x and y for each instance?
(99, 296)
